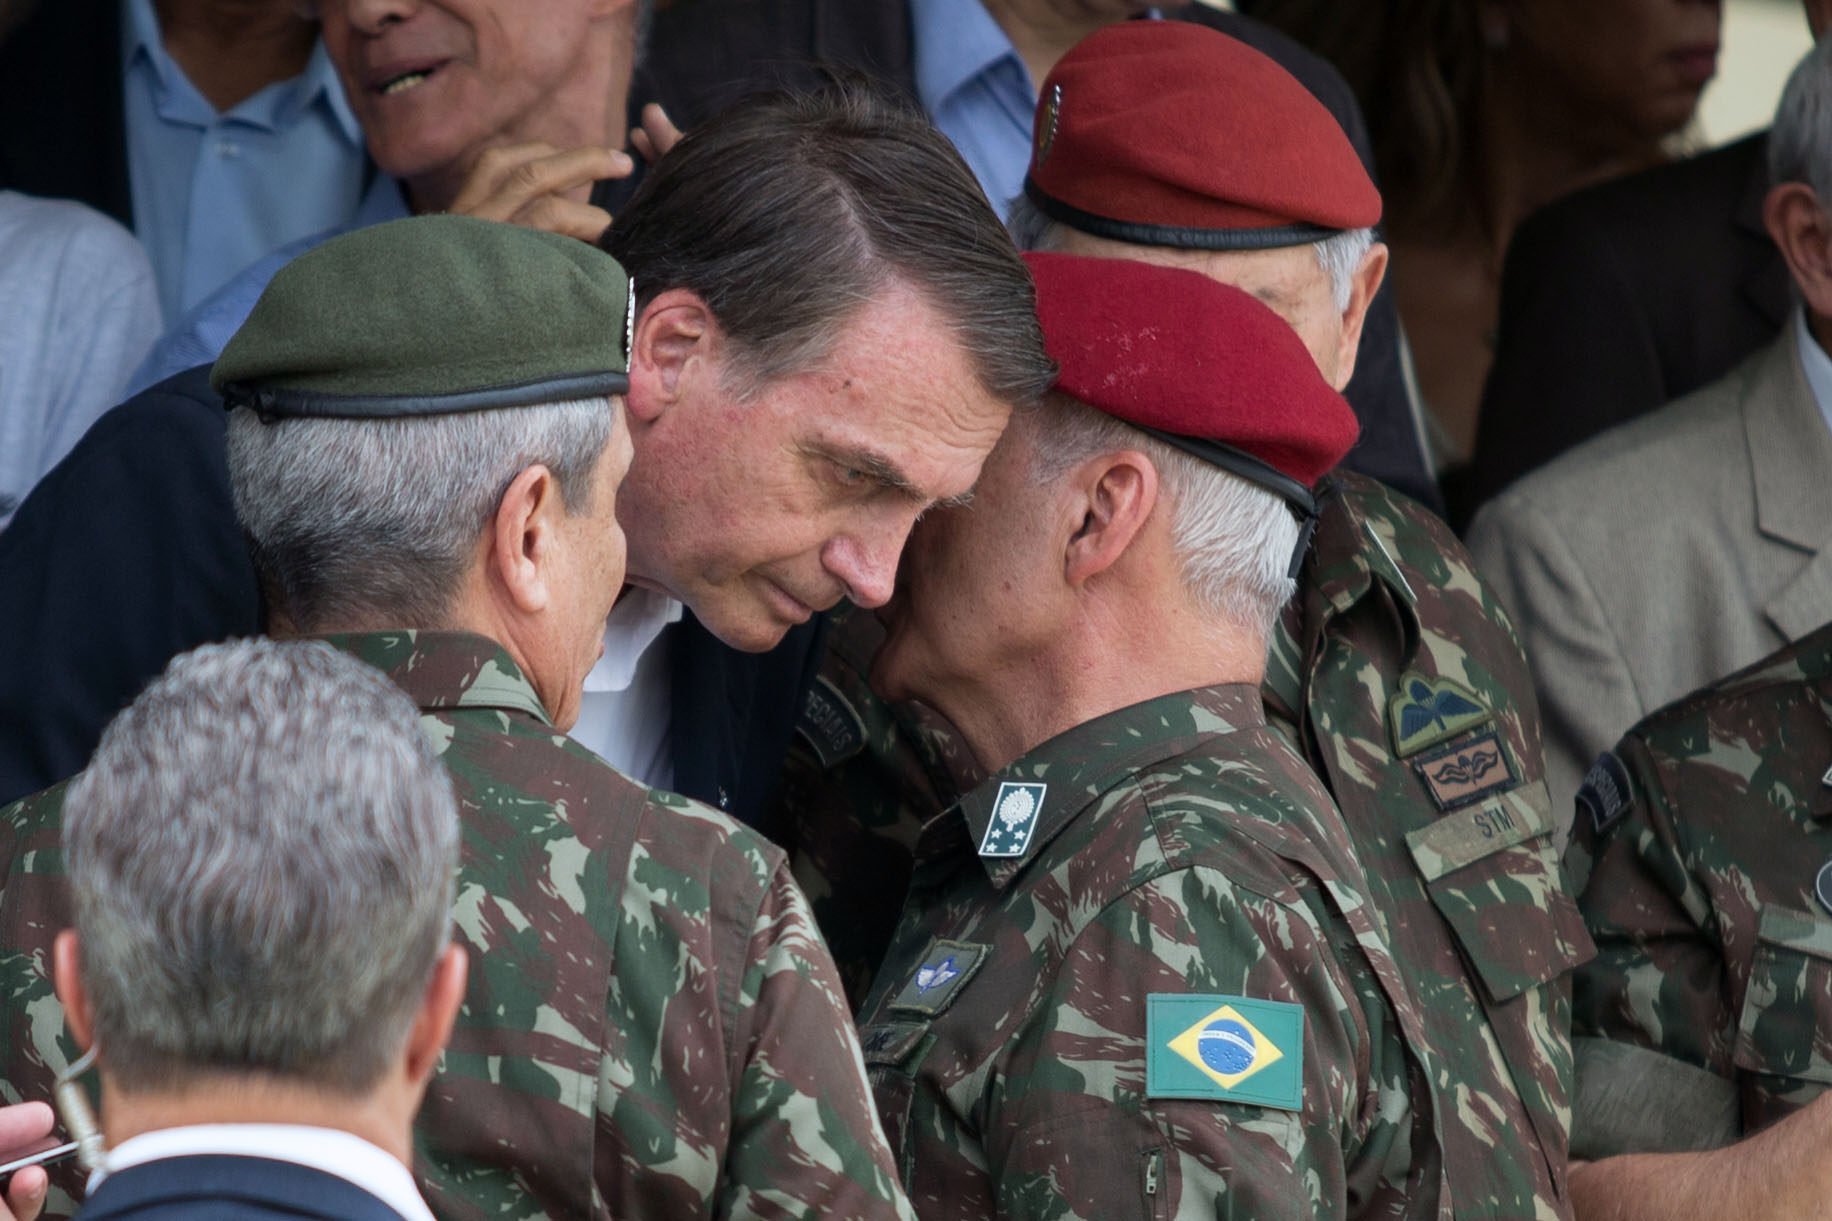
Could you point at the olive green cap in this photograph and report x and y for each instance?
(429, 316)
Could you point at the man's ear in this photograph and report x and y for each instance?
(432, 1024)
(522, 536)
(1800, 227)
(672, 332)
(67, 982)
(1363, 284)
(1115, 494)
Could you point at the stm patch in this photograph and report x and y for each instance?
(1226, 1048)
(829, 724)
(943, 971)
(1607, 792)
(1463, 772)
(1014, 817)
(1427, 711)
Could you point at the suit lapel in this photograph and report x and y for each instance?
(1790, 453)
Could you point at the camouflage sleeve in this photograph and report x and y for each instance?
(1086, 1124)
(1652, 1024)
(805, 1139)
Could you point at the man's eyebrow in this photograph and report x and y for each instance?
(879, 469)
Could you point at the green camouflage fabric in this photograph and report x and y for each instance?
(1179, 848)
(1463, 870)
(667, 1039)
(1706, 837)
(1463, 863)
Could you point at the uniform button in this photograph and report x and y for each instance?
(228, 148)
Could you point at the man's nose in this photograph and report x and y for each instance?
(866, 562)
(374, 16)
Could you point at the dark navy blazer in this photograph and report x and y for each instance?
(218, 1188)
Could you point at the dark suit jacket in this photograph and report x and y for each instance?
(1623, 297)
(218, 1188)
(128, 553)
(63, 129)
(704, 54)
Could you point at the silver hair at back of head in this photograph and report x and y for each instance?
(1233, 539)
(1339, 255)
(374, 522)
(262, 855)
(1800, 145)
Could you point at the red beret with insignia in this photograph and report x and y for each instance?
(1166, 133)
(1196, 363)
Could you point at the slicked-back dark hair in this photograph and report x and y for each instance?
(789, 210)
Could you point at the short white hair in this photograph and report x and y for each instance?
(358, 520)
(1339, 254)
(1800, 145)
(262, 856)
(1233, 539)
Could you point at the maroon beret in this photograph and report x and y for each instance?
(1167, 133)
(1197, 363)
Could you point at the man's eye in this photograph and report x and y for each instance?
(850, 475)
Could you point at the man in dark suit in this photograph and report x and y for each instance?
(1628, 295)
(262, 859)
(703, 53)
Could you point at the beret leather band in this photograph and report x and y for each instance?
(1139, 233)
(1245, 465)
(282, 402)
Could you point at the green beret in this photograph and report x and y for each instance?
(429, 316)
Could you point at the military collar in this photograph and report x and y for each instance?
(1352, 556)
(1018, 810)
(446, 669)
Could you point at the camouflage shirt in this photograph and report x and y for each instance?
(1707, 837)
(1081, 930)
(1398, 676)
(665, 1038)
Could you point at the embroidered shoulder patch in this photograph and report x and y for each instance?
(1607, 792)
(1427, 711)
(829, 724)
(1463, 772)
(1225, 1048)
(1015, 812)
(942, 972)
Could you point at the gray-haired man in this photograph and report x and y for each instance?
(261, 859)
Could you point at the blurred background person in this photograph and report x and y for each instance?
(1481, 111)
(1627, 295)
(261, 860)
(1682, 545)
(78, 310)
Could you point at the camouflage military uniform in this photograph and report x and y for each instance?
(1022, 1063)
(652, 1026)
(1710, 897)
(1392, 629)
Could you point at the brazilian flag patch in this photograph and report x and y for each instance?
(1225, 1048)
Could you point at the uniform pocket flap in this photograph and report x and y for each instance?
(1785, 1027)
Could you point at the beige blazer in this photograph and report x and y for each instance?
(1666, 553)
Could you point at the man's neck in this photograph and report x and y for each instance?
(1106, 662)
(379, 1118)
(232, 49)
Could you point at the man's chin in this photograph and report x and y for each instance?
(748, 633)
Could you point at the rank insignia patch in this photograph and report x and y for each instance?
(1014, 817)
(1463, 772)
(1227, 1048)
(941, 973)
(1428, 711)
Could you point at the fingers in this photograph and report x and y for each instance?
(23, 1123)
(657, 134)
(25, 1195)
(529, 184)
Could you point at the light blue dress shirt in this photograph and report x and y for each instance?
(976, 90)
(214, 192)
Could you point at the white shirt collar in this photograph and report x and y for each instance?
(636, 621)
(1816, 363)
(343, 1154)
